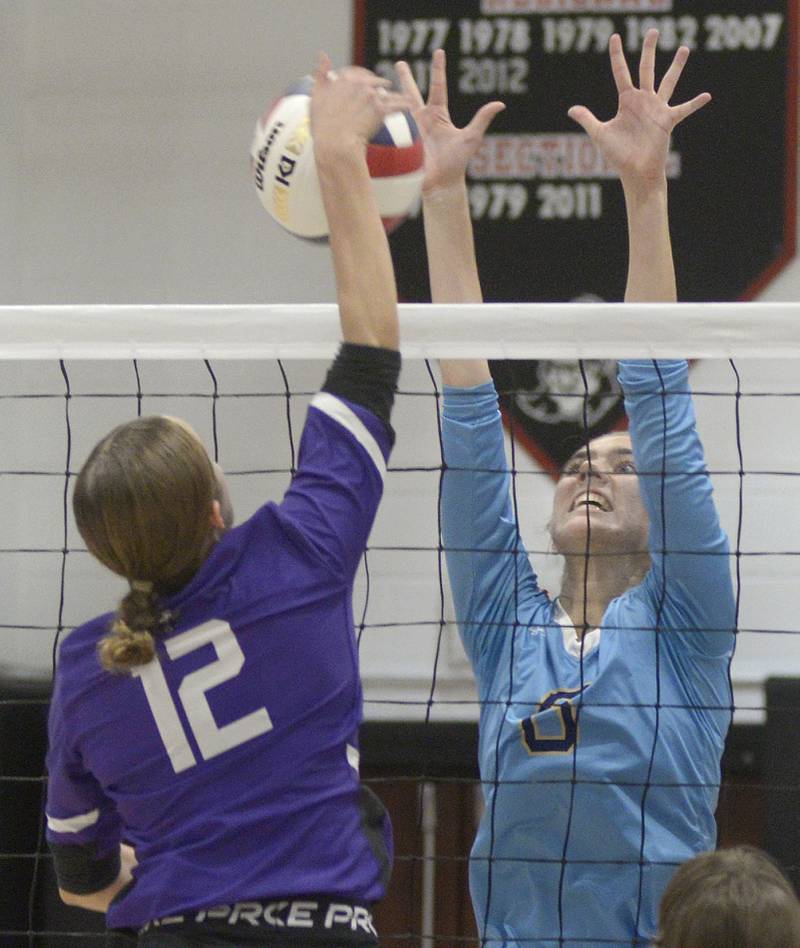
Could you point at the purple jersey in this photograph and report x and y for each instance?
(230, 762)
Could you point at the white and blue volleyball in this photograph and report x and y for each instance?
(285, 173)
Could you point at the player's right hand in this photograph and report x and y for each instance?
(349, 106)
(448, 149)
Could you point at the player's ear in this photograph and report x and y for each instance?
(216, 519)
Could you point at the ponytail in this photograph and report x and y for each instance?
(143, 503)
(131, 640)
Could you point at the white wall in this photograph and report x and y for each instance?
(129, 148)
(124, 178)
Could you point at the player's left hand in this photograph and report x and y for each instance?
(448, 149)
(636, 141)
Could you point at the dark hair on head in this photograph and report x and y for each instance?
(571, 443)
(143, 503)
(732, 898)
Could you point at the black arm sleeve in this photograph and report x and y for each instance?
(366, 375)
(80, 872)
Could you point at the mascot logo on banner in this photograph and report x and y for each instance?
(552, 411)
(552, 407)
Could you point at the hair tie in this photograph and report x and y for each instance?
(141, 585)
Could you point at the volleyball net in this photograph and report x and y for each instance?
(243, 377)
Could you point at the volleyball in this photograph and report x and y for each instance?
(285, 174)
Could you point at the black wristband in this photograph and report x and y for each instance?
(366, 375)
(79, 870)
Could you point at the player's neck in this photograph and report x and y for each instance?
(587, 587)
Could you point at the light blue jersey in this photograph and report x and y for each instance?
(601, 765)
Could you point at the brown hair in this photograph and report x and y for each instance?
(143, 503)
(732, 898)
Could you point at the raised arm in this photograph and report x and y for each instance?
(636, 143)
(488, 570)
(448, 225)
(346, 441)
(346, 110)
(687, 544)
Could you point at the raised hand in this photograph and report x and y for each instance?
(350, 104)
(636, 141)
(448, 149)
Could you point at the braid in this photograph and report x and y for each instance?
(131, 641)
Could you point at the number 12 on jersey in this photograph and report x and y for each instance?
(211, 739)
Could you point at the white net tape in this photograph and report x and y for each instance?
(494, 331)
(73, 372)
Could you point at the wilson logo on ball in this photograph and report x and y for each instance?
(285, 173)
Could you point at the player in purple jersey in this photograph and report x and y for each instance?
(203, 758)
(603, 710)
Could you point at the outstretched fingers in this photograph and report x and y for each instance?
(673, 74)
(586, 119)
(437, 96)
(408, 84)
(681, 112)
(647, 63)
(619, 67)
(483, 118)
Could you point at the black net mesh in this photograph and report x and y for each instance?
(417, 680)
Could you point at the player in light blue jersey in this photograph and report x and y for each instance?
(604, 710)
(203, 756)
